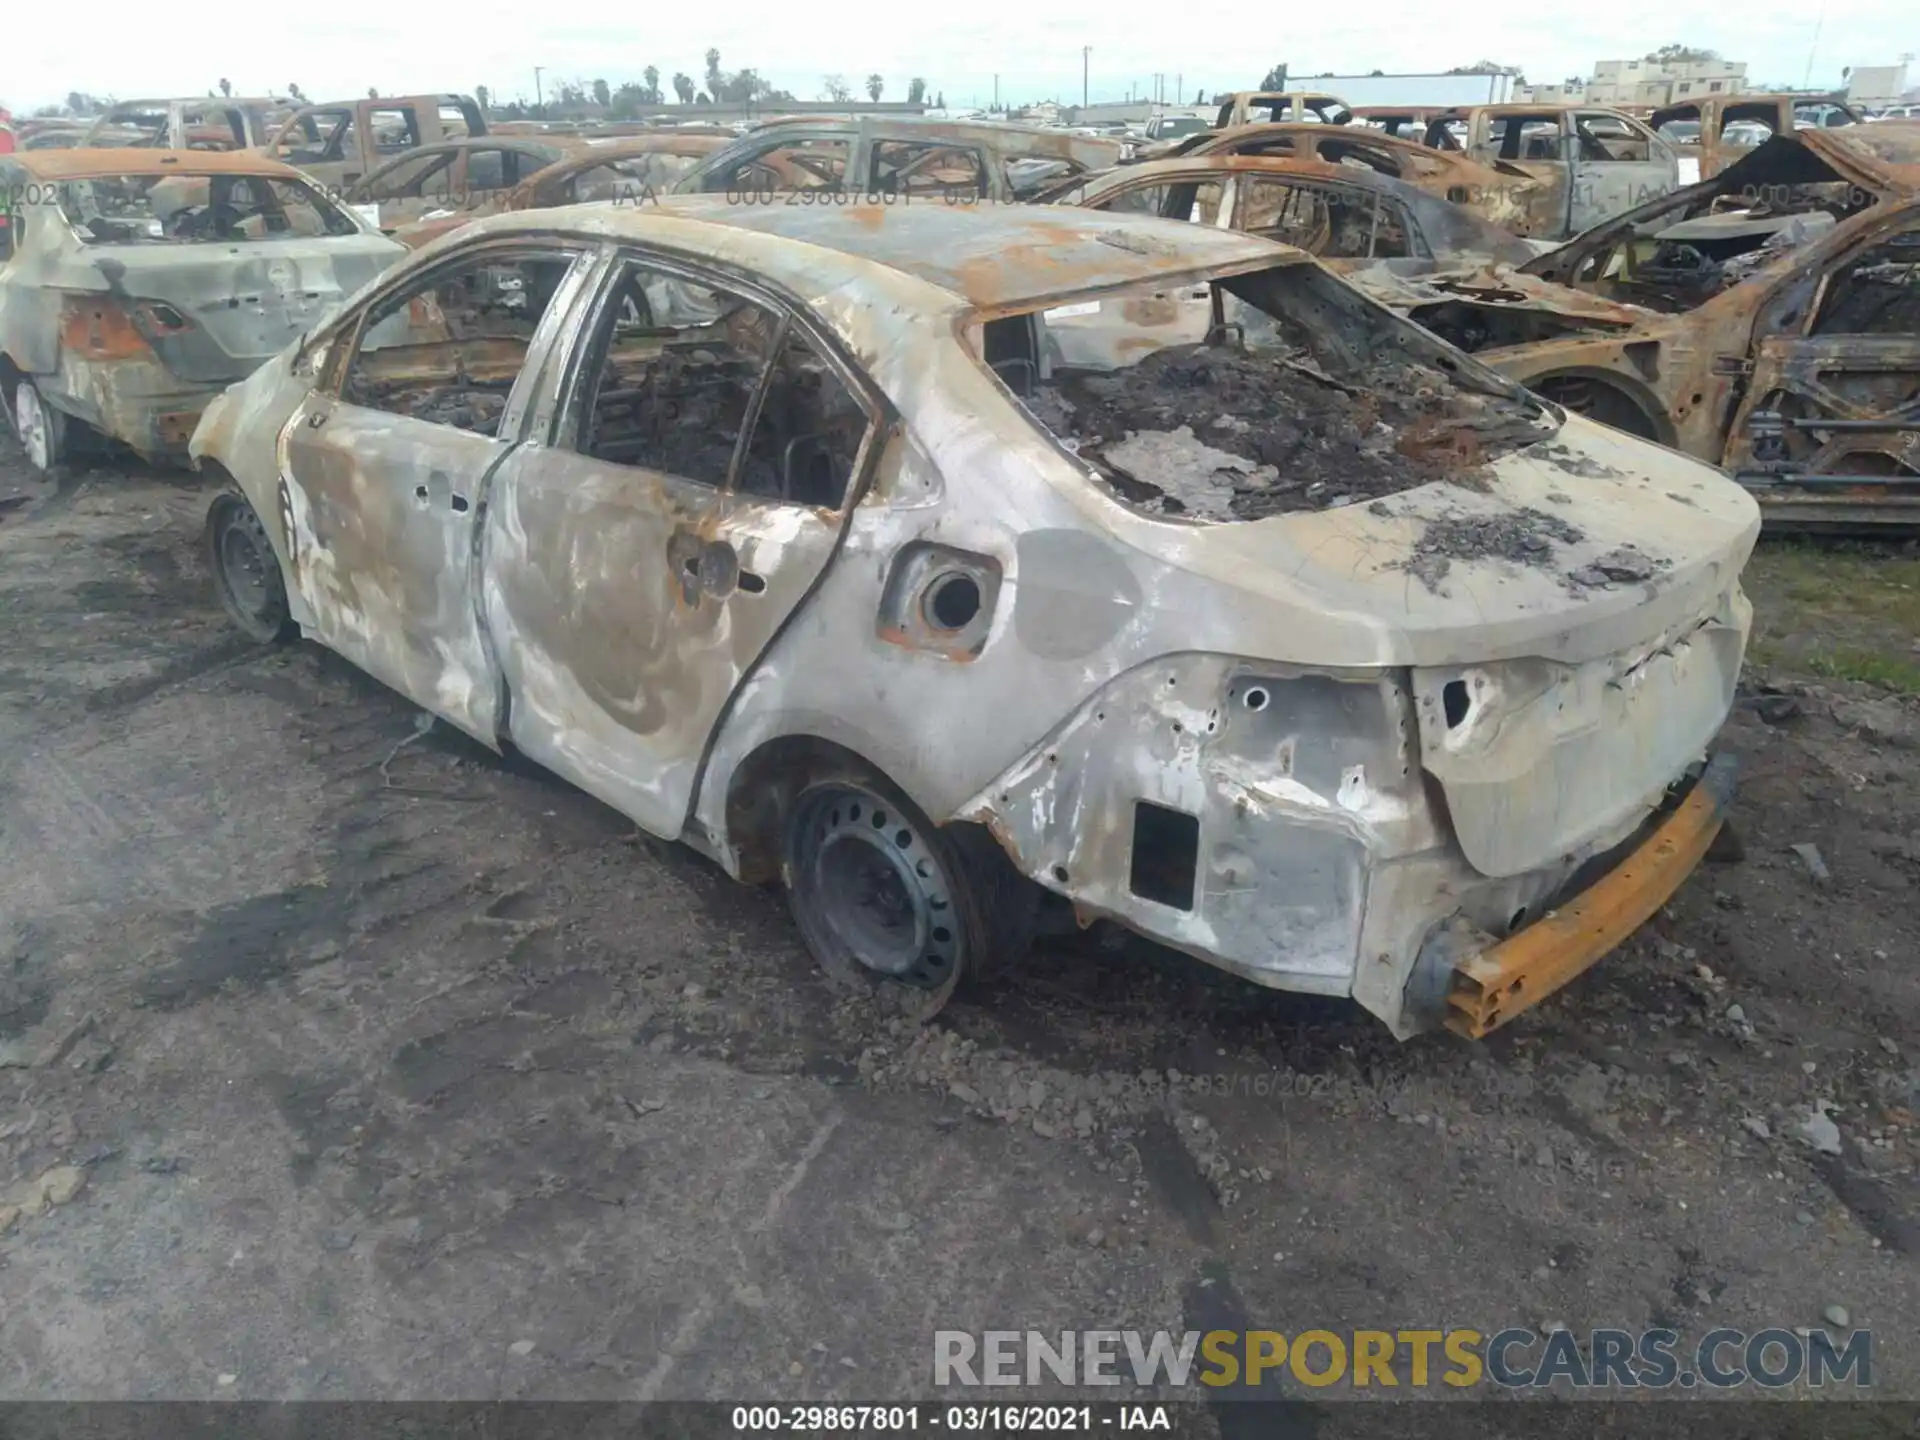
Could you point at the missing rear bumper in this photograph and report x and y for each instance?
(1491, 985)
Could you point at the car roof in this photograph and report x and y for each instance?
(91, 163)
(981, 256)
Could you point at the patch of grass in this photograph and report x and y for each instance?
(1869, 583)
(1870, 666)
(1836, 610)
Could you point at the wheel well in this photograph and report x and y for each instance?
(1610, 399)
(762, 789)
(10, 375)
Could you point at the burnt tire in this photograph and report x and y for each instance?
(40, 429)
(1597, 400)
(246, 570)
(885, 898)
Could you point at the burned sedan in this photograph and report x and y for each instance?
(135, 285)
(933, 558)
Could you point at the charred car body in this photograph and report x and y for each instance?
(1336, 213)
(1710, 133)
(1498, 193)
(898, 156)
(1588, 164)
(137, 284)
(339, 142)
(922, 556)
(633, 171)
(1767, 321)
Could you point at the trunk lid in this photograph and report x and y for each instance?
(245, 301)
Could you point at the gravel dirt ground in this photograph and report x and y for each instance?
(365, 1064)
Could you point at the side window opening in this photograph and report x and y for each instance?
(907, 167)
(819, 164)
(394, 131)
(806, 438)
(1197, 201)
(450, 352)
(488, 169)
(1878, 294)
(670, 381)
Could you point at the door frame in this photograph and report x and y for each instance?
(555, 409)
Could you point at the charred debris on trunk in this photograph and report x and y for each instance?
(1314, 400)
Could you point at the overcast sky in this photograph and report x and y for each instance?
(129, 49)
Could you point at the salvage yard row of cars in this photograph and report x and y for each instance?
(1228, 546)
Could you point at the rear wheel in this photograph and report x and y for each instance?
(885, 897)
(246, 571)
(40, 429)
(1596, 400)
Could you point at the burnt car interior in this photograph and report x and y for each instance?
(1302, 396)
(1878, 294)
(449, 353)
(1325, 220)
(680, 370)
(1707, 238)
(130, 209)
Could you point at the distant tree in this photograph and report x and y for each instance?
(298, 96)
(683, 88)
(916, 91)
(1681, 55)
(1376, 72)
(836, 89)
(1199, 97)
(226, 87)
(874, 86)
(1485, 67)
(81, 103)
(1274, 79)
(940, 100)
(651, 93)
(480, 94)
(602, 94)
(714, 77)
(372, 94)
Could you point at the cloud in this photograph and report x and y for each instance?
(1035, 51)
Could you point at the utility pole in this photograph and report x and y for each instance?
(1085, 51)
(1178, 88)
(538, 102)
(996, 93)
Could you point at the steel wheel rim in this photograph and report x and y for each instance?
(877, 889)
(244, 567)
(30, 419)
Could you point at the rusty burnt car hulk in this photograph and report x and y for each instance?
(930, 558)
(136, 284)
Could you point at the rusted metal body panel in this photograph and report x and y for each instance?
(133, 339)
(939, 159)
(1286, 682)
(1339, 213)
(337, 143)
(1722, 125)
(1760, 320)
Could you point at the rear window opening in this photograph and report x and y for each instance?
(1284, 393)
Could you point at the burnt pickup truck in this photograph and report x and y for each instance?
(339, 143)
(1711, 133)
(136, 284)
